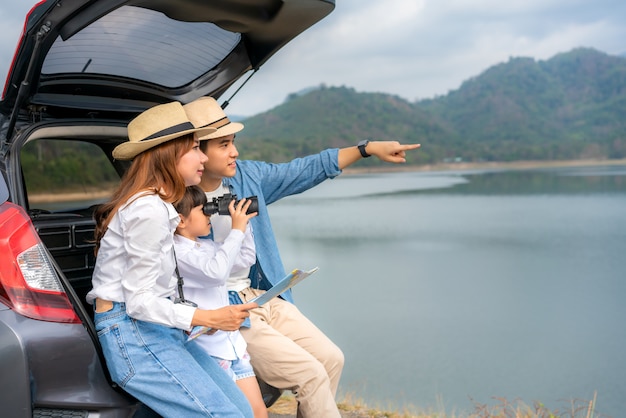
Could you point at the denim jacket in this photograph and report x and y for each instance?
(271, 182)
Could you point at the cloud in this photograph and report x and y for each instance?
(413, 48)
(12, 16)
(420, 49)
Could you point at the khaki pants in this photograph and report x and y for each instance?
(288, 351)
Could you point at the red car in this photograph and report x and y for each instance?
(82, 70)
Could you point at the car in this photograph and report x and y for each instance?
(82, 70)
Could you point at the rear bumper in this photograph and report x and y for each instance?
(55, 366)
(14, 385)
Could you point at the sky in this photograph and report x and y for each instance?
(414, 49)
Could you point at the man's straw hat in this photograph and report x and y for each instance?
(205, 111)
(156, 126)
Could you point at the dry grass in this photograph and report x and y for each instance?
(285, 405)
(351, 407)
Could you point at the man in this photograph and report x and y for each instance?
(287, 350)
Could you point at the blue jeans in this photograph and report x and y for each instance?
(157, 365)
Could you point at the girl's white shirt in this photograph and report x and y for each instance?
(205, 267)
(221, 227)
(135, 262)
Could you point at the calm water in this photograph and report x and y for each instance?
(445, 289)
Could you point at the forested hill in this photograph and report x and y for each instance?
(568, 107)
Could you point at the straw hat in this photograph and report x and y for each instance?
(155, 126)
(205, 111)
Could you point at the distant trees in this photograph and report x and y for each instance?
(51, 165)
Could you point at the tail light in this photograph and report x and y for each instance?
(29, 284)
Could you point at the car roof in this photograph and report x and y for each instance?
(95, 57)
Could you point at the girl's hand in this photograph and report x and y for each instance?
(238, 214)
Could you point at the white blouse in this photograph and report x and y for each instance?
(135, 263)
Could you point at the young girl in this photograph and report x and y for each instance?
(140, 327)
(205, 266)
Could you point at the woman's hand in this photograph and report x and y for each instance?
(228, 318)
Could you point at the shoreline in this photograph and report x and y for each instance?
(502, 165)
(69, 196)
(399, 168)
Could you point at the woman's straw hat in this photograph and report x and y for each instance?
(155, 126)
(206, 112)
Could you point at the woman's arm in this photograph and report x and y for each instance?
(147, 237)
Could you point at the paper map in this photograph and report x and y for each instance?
(286, 283)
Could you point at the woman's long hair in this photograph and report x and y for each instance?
(152, 171)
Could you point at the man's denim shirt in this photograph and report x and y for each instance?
(271, 182)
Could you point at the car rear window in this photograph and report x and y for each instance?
(142, 44)
(66, 175)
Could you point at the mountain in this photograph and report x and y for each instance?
(331, 117)
(570, 106)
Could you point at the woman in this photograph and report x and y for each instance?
(140, 325)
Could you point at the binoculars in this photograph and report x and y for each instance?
(220, 205)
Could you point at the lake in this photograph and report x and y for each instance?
(449, 288)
